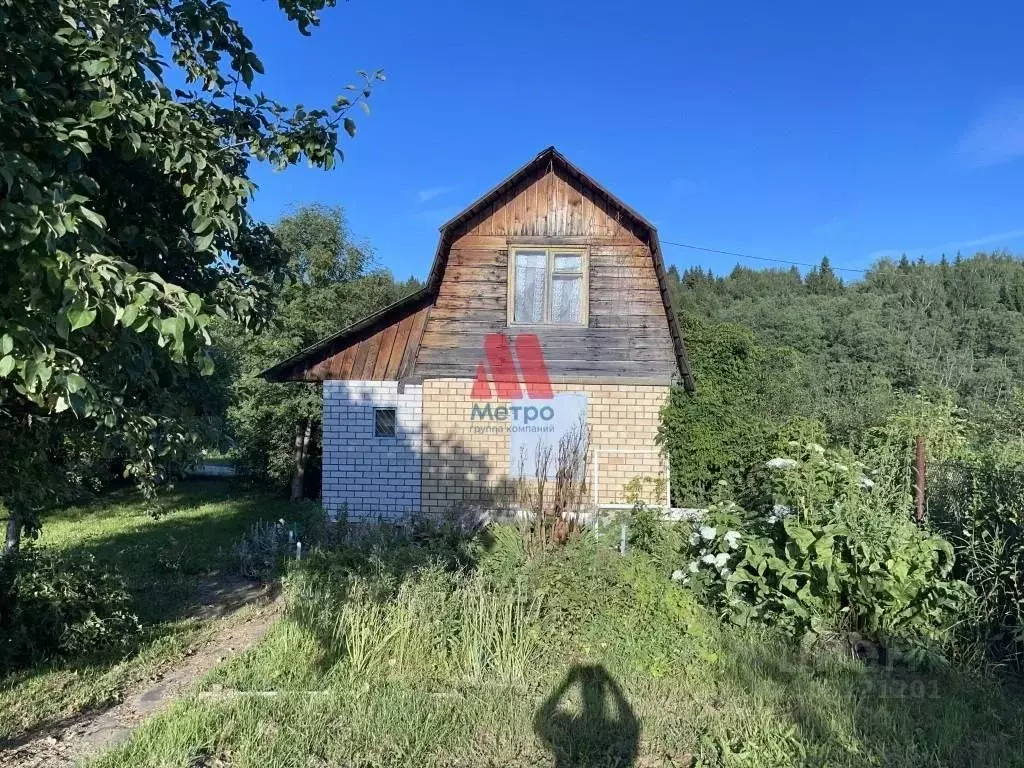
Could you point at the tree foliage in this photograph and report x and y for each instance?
(932, 349)
(124, 221)
(745, 391)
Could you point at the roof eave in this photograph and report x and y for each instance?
(280, 371)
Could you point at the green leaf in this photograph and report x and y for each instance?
(7, 364)
(206, 366)
(100, 109)
(6, 344)
(130, 313)
(803, 537)
(93, 217)
(80, 317)
(350, 126)
(204, 242)
(44, 372)
(75, 383)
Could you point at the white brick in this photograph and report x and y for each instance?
(376, 477)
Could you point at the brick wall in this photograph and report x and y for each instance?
(376, 477)
(624, 421)
(467, 464)
(442, 460)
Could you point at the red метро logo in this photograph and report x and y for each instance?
(508, 381)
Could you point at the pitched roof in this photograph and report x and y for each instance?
(549, 158)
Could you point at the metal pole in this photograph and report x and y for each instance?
(668, 482)
(920, 477)
(622, 540)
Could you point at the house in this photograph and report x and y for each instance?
(546, 308)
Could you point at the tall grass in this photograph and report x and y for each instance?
(389, 659)
(432, 625)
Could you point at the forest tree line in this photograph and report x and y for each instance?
(942, 343)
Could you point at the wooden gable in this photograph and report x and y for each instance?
(627, 333)
(632, 331)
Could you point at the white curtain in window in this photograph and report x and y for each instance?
(531, 270)
(566, 295)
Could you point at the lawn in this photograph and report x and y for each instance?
(441, 654)
(167, 561)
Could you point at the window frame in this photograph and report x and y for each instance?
(550, 251)
(394, 426)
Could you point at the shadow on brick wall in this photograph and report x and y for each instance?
(419, 472)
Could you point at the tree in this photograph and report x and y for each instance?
(125, 226)
(823, 279)
(277, 426)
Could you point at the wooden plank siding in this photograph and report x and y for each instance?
(626, 334)
(380, 354)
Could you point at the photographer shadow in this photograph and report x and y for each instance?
(601, 731)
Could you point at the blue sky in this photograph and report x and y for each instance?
(790, 130)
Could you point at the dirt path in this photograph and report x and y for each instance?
(243, 612)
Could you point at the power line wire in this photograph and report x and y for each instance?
(760, 258)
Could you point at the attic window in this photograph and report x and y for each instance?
(547, 286)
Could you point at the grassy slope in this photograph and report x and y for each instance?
(409, 666)
(163, 560)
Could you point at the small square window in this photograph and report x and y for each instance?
(384, 420)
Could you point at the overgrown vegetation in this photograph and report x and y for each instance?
(979, 507)
(54, 607)
(401, 652)
(904, 345)
(858, 372)
(827, 561)
(69, 638)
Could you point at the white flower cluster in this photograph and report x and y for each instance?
(704, 538)
(781, 463)
(779, 511)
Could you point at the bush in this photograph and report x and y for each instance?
(819, 578)
(55, 606)
(647, 530)
(830, 556)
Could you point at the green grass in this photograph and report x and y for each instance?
(164, 560)
(581, 658)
